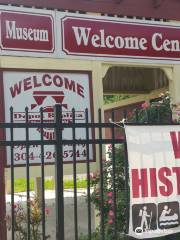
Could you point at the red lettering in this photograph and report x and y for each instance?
(36, 84)
(27, 83)
(16, 89)
(168, 188)
(69, 84)
(80, 90)
(175, 143)
(153, 182)
(46, 80)
(139, 182)
(50, 115)
(57, 80)
(176, 170)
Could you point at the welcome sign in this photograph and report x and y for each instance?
(55, 34)
(118, 38)
(37, 90)
(154, 172)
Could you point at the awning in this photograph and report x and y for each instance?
(134, 80)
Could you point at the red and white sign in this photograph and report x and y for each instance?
(37, 90)
(103, 37)
(154, 173)
(27, 32)
(53, 34)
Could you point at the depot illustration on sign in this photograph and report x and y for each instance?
(37, 90)
(154, 170)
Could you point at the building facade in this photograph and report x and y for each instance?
(74, 52)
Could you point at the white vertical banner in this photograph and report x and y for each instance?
(154, 173)
(42, 90)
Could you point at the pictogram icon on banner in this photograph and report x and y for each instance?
(168, 215)
(144, 217)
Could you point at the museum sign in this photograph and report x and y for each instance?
(55, 34)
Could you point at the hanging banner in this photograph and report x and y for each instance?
(154, 173)
(37, 90)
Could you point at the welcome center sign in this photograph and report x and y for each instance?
(154, 172)
(42, 90)
(55, 34)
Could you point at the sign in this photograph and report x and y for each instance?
(27, 32)
(154, 173)
(37, 90)
(120, 39)
(62, 35)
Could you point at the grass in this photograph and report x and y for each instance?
(20, 184)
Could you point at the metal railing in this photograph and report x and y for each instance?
(94, 144)
(93, 140)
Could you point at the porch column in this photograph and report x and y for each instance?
(174, 86)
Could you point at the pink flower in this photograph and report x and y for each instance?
(145, 105)
(94, 175)
(90, 176)
(110, 194)
(110, 222)
(130, 113)
(174, 121)
(110, 201)
(110, 147)
(47, 211)
(111, 213)
(15, 206)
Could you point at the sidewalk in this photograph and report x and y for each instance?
(68, 211)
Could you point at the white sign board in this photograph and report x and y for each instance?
(154, 172)
(37, 90)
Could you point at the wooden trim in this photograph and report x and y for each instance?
(134, 100)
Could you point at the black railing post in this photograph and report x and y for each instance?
(42, 178)
(88, 176)
(102, 229)
(12, 174)
(114, 177)
(59, 174)
(75, 177)
(28, 176)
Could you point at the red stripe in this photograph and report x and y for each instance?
(48, 93)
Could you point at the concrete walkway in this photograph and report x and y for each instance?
(68, 210)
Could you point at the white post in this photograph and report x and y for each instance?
(174, 86)
(37, 188)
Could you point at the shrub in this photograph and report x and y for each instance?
(21, 220)
(158, 111)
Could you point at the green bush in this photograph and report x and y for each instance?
(156, 112)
